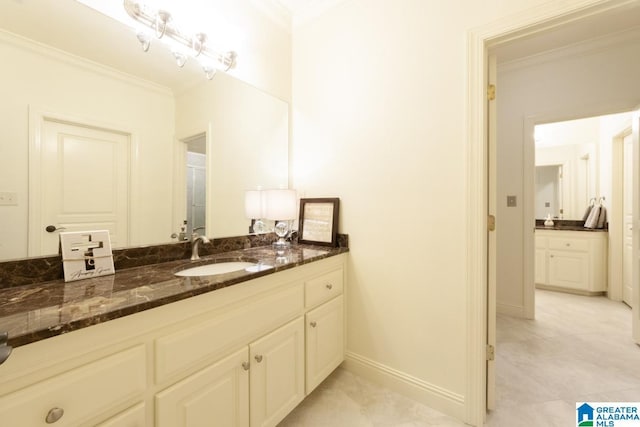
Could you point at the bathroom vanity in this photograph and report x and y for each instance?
(148, 348)
(571, 260)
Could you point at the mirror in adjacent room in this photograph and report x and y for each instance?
(55, 72)
(567, 167)
(573, 164)
(549, 191)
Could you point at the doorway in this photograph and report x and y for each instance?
(546, 21)
(196, 189)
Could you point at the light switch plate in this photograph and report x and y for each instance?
(8, 199)
(512, 201)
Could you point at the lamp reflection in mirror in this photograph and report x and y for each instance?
(281, 206)
(254, 210)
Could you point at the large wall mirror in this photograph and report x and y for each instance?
(97, 134)
(573, 164)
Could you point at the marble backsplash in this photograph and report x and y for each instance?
(44, 269)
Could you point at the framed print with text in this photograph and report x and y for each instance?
(319, 221)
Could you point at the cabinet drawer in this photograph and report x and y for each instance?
(226, 331)
(132, 417)
(323, 288)
(79, 394)
(569, 244)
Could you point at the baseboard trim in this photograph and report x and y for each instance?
(436, 397)
(510, 310)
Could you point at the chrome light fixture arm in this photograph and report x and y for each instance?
(161, 24)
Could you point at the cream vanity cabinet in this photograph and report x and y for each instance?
(244, 355)
(571, 260)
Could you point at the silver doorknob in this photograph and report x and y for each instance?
(54, 415)
(258, 358)
(52, 228)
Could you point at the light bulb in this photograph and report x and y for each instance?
(180, 57)
(144, 40)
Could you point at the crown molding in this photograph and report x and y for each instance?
(80, 62)
(582, 48)
(314, 10)
(276, 11)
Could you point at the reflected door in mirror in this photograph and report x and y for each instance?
(84, 184)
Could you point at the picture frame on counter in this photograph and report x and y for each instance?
(318, 221)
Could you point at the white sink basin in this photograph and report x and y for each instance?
(219, 268)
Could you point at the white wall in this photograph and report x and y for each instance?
(570, 86)
(379, 121)
(36, 77)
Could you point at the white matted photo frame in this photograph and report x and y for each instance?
(318, 224)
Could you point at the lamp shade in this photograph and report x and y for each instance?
(253, 204)
(280, 204)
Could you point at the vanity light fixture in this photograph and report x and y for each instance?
(162, 25)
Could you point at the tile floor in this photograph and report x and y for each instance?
(578, 349)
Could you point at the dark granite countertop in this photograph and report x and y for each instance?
(37, 311)
(568, 225)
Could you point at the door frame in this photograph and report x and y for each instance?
(180, 180)
(38, 115)
(479, 41)
(616, 225)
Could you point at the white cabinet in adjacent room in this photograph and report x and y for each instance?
(574, 261)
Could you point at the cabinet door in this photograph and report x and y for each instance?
(569, 269)
(218, 395)
(277, 374)
(541, 266)
(325, 341)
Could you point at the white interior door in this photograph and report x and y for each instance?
(627, 220)
(635, 201)
(83, 184)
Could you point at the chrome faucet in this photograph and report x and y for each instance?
(195, 241)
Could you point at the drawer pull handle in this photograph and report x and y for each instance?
(568, 244)
(551, 256)
(313, 324)
(245, 366)
(258, 358)
(54, 415)
(329, 286)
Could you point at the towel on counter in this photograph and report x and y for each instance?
(592, 219)
(602, 218)
(587, 212)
